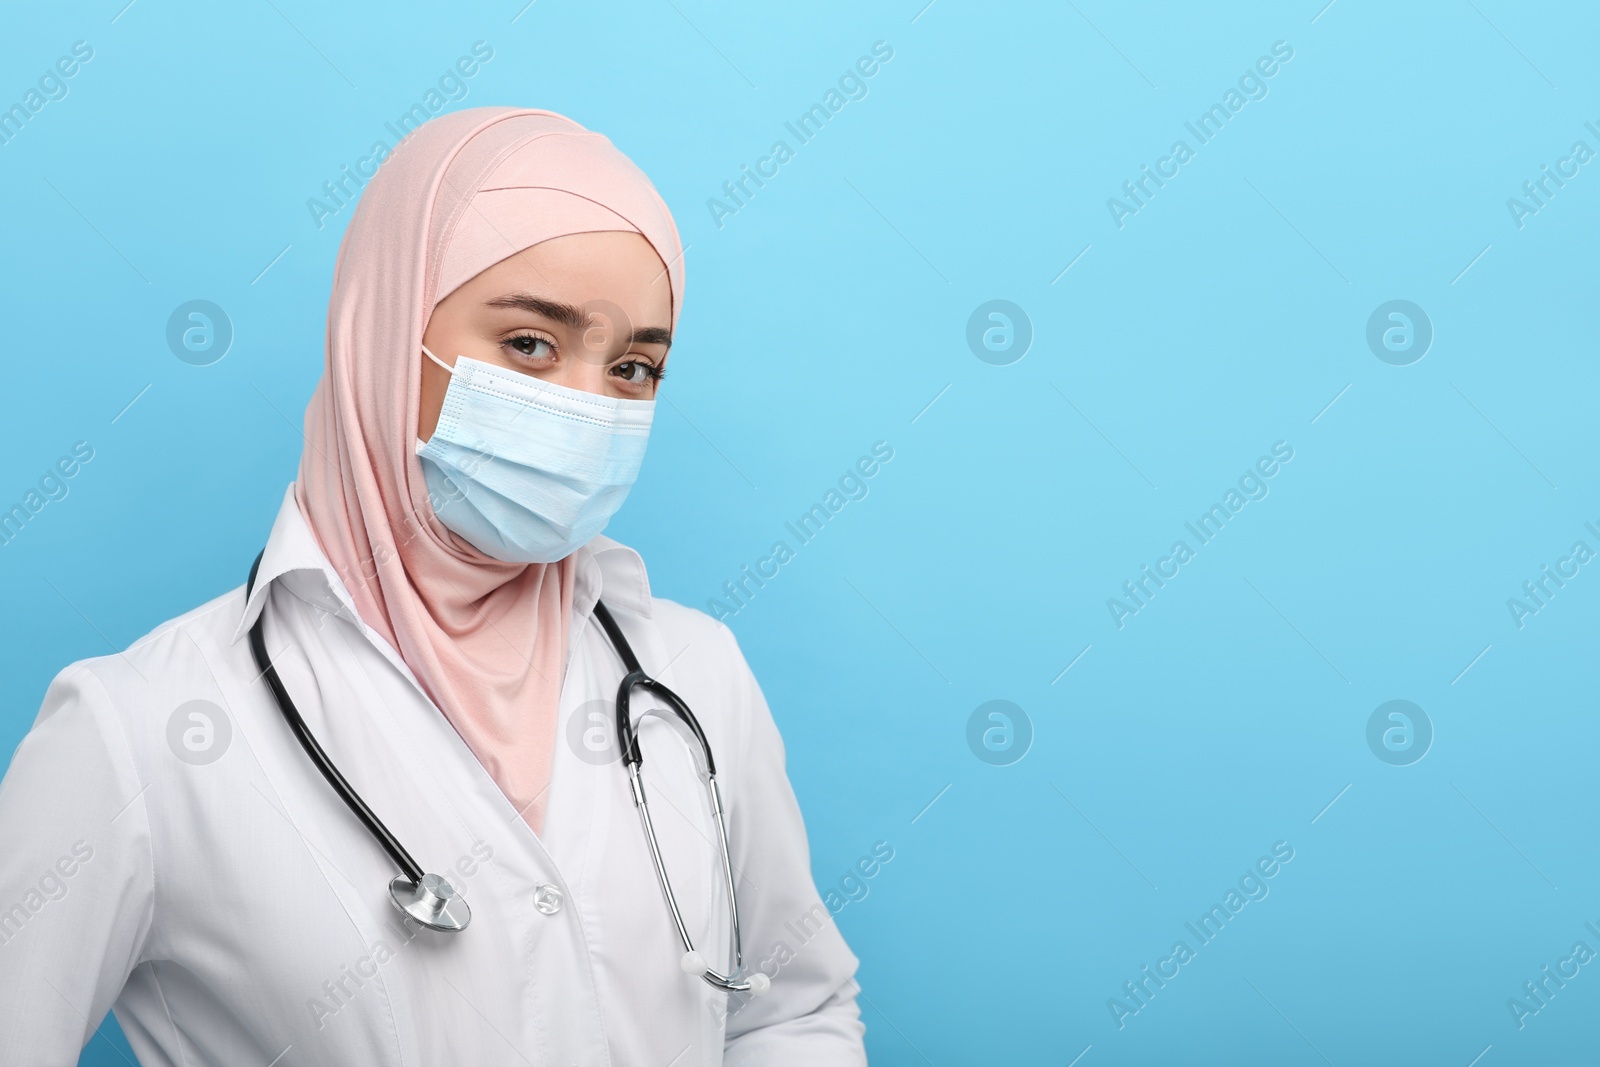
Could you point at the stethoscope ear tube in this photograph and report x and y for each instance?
(693, 962)
(682, 717)
(430, 899)
(628, 743)
(627, 737)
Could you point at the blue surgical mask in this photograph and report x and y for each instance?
(525, 470)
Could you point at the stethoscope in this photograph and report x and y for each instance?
(433, 902)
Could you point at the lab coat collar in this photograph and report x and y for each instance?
(604, 564)
(292, 554)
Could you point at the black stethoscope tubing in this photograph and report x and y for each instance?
(627, 738)
(374, 825)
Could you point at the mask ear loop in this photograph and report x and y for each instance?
(448, 369)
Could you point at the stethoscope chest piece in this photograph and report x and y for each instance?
(432, 901)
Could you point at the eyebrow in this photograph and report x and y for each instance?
(574, 316)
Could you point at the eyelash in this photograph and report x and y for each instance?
(652, 372)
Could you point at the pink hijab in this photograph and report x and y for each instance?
(486, 639)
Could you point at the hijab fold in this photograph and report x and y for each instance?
(486, 639)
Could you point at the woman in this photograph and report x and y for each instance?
(502, 310)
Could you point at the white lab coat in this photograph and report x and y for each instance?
(232, 911)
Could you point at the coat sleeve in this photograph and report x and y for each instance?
(76, 875)
(809, 1017)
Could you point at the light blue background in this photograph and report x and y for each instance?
(824, 316)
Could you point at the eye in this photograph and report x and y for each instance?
(638, 372)
(526, 345)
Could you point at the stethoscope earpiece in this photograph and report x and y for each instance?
(695, 965)
(431, 901)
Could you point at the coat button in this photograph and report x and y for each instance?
(547, 898)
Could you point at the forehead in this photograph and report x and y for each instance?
(613, 265)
